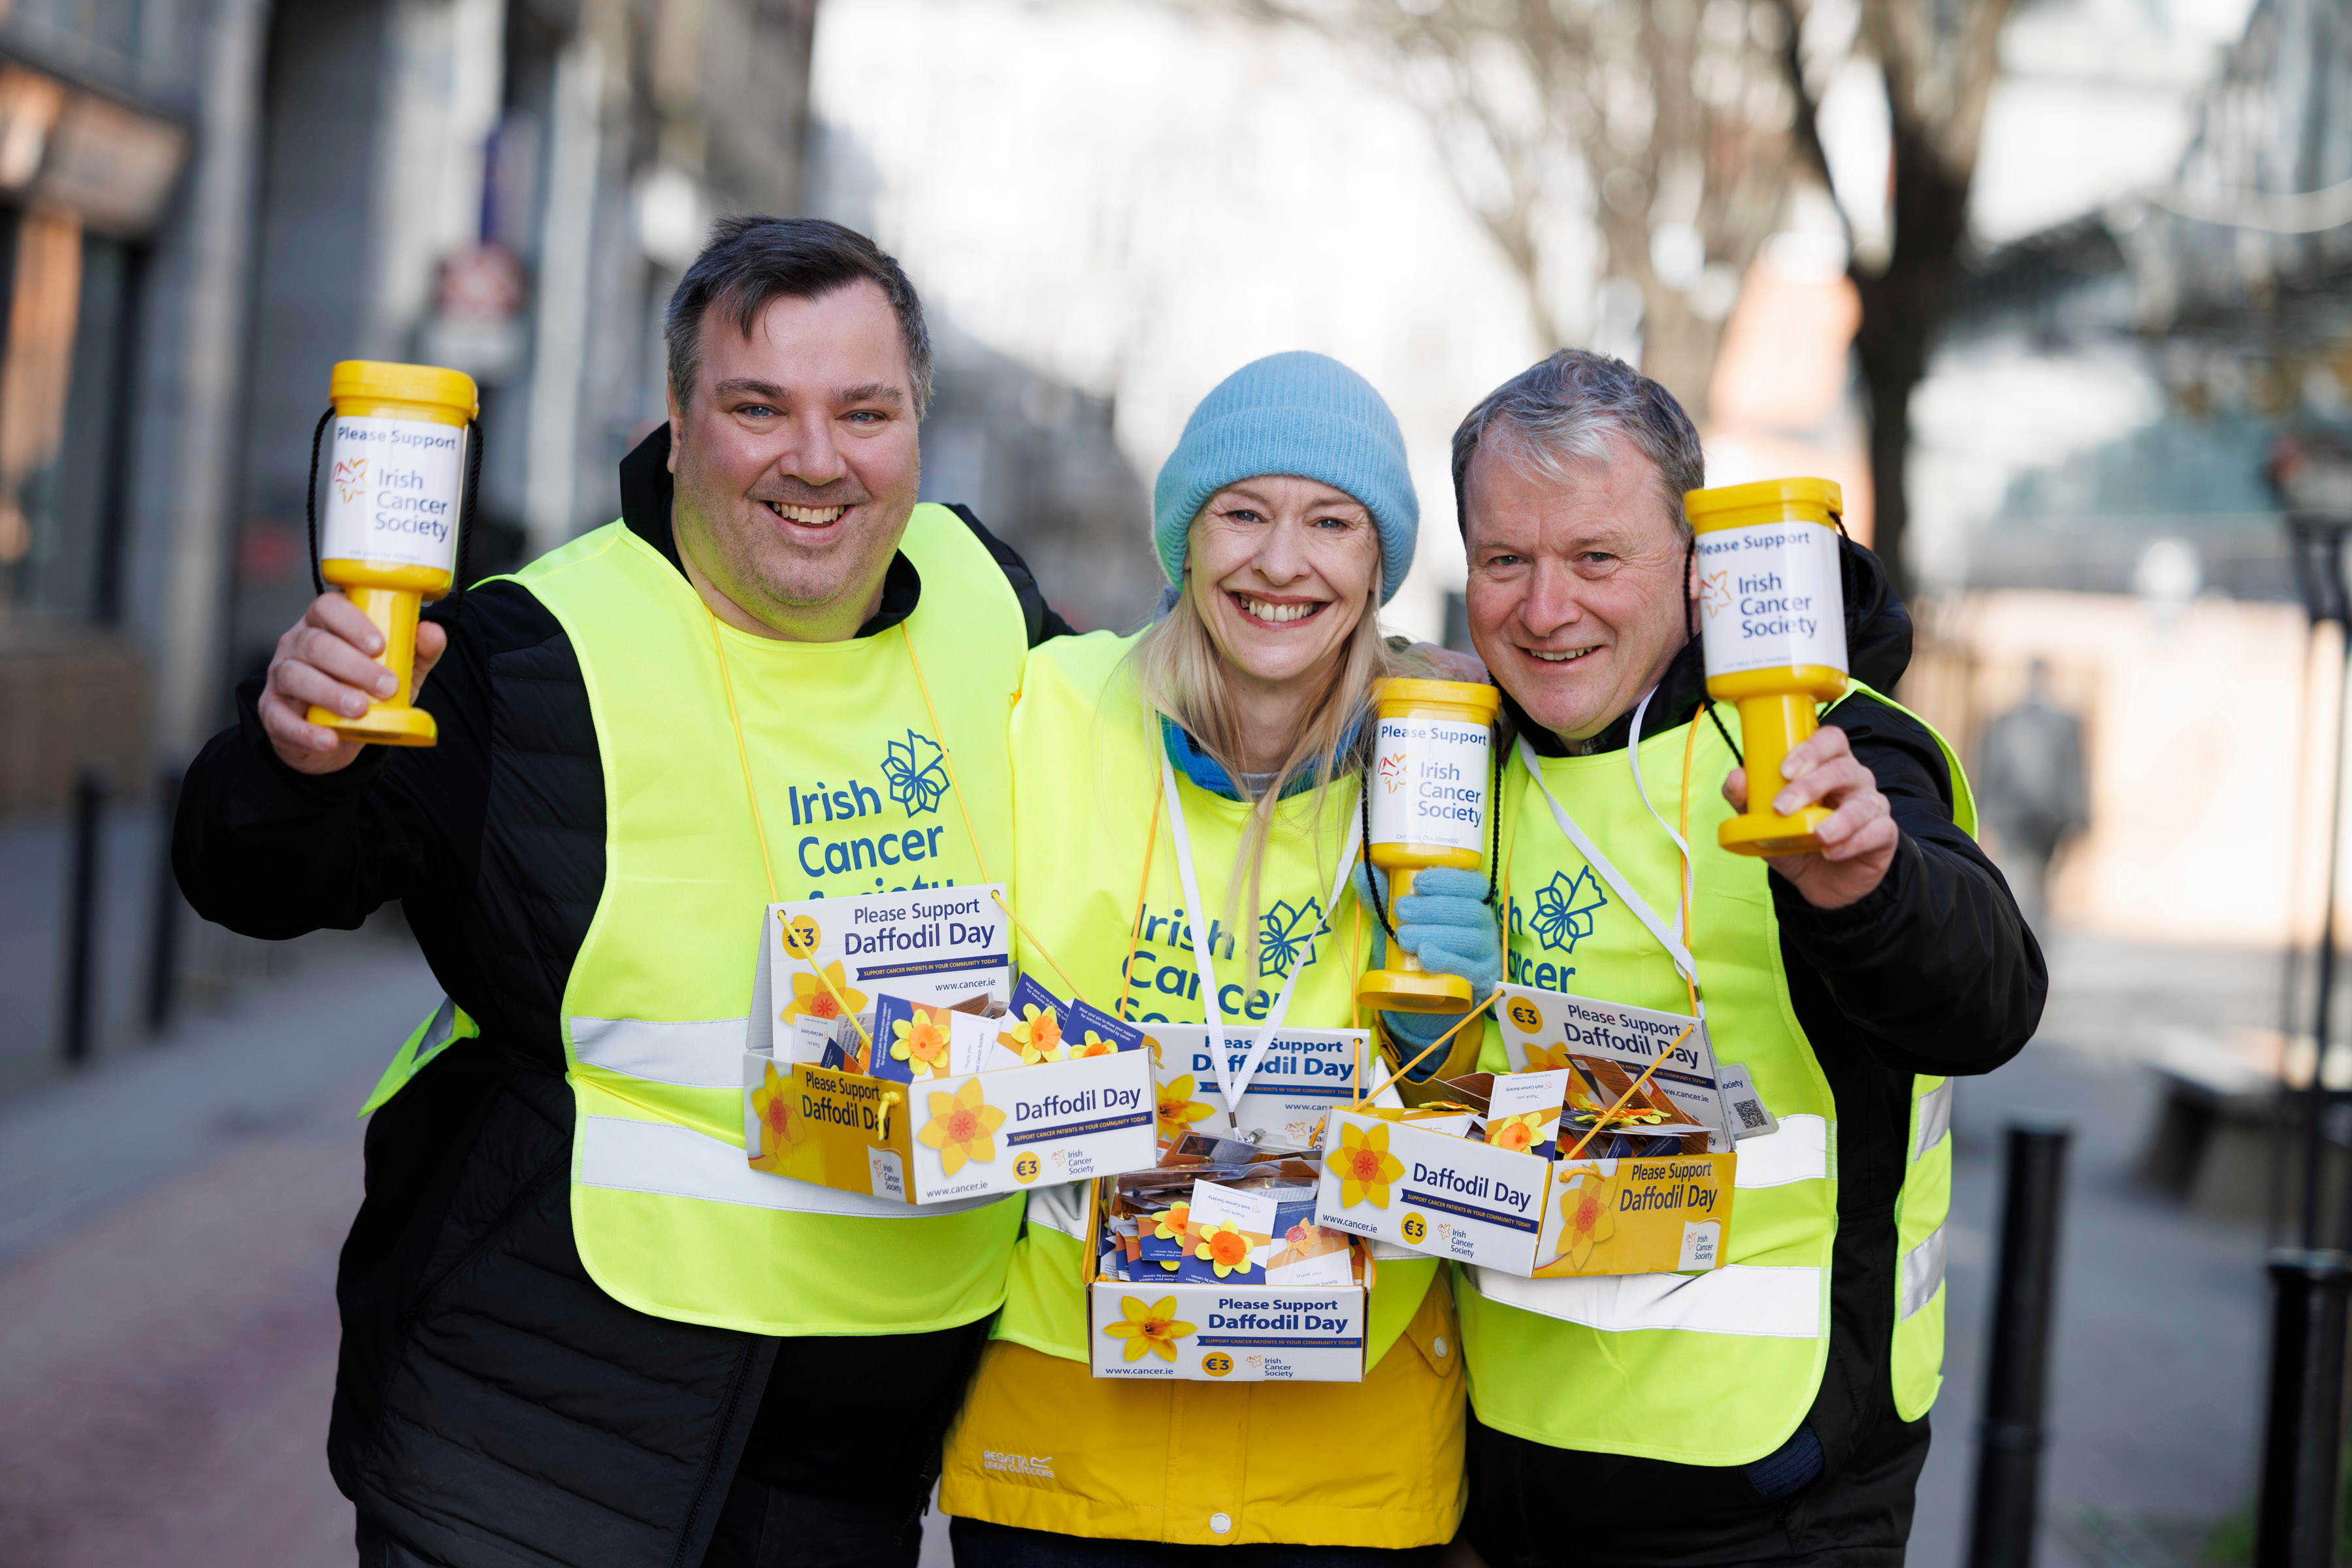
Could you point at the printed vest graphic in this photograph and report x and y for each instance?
(1086, 774)
(1718, 1368)
(853, 795)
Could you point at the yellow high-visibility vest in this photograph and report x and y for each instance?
(1043, 1444)
(1717, 1368)
(669, 1216)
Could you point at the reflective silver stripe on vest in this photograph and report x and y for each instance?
(1062, 1209)
(439, 1030)
(1781, 1303)
(705, 1053)
(677, 1162)
(1923, 1270)
(1935, 1117)
(1798, 1152)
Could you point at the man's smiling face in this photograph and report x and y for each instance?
(796, 459)
(1578, 586)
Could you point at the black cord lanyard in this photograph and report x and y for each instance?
(1494, 834)
(464, 506)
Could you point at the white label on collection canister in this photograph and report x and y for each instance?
(1770, 597)
(393, 492)
(1429, 783)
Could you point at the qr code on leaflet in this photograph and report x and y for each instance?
(1750, 1114)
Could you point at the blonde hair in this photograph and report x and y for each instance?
(1182, 676)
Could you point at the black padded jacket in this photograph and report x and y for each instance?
(492, 1405)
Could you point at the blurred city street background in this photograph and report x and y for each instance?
(2059, 290)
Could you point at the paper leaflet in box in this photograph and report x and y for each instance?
(1541, 1029)
(1304, 1074)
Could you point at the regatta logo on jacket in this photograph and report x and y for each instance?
(865, 854)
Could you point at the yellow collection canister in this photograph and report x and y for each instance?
(1427, 793)
(1772, 615)
(390, 538)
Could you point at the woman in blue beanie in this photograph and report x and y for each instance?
(1204, 775)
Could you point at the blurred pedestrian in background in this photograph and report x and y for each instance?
(2032, 790)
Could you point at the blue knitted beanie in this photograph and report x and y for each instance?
(1299, 414)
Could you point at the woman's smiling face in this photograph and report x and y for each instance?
(1281, 570)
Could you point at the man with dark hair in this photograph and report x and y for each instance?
(578, 1328)
(1773, 1409)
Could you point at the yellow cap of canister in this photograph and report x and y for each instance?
(1450, 693)
(381, 381)
(1766, 500)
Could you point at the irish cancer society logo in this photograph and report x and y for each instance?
(1392, 772)
(1564, 909)
(1715, 592)
(916, 772)
(1284, 933)
(351, 479)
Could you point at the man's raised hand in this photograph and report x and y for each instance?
(328, 658)
(1859, 836)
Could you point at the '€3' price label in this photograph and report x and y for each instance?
(1024, 1169)
(1414, 1228)
(1216, 1363)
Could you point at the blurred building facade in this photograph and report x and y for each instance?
(204, 204)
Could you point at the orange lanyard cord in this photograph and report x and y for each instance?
(1135, 926)
(946, 757)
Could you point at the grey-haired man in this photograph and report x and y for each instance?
(1775, 1409)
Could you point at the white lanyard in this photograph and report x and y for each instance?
(1609, 873)
(1234, 1083)
(1633, 761)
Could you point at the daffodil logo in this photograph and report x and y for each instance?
(916, 772)
(1284, 932)
(1177, 1108)
(1587, 1217)
(1224, 1249)
(1715, 592)
(777, 1110)
(962, 1127)
(1564, 908)
(1035, 1037)
(351, 479)
(1552, 1059)
(1094, 1045)
(1153, 1330)
(1516, 1133)
(1364, 1165)
(813, 998)
(921, 1042)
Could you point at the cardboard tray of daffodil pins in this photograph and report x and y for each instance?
(891, 1053)
(1610, 1151)
(1210, 1267)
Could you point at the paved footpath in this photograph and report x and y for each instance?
(168, 1232)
